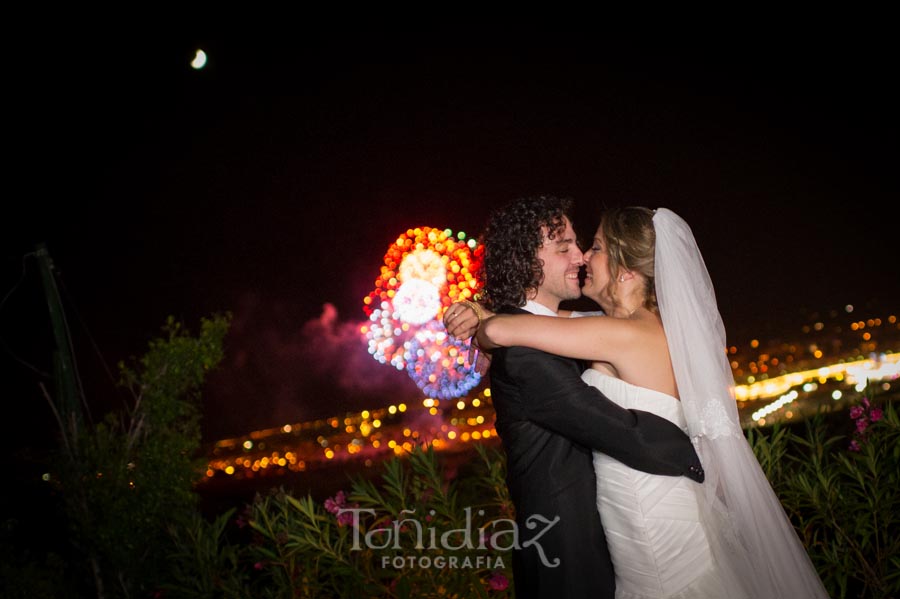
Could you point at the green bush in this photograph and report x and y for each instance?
(842, 492)
(428, 525)
(296, 547)
(128, 479)
(203, 562)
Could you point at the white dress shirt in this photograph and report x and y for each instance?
(542, 310)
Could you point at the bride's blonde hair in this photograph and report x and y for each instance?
(630, 242)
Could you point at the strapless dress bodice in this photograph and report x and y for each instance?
(656, 539)
(633, 397)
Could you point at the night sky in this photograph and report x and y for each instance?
(271, 183)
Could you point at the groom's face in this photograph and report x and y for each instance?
(562, 260)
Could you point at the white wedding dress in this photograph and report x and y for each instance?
(659, 547)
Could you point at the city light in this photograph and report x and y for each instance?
(394, 429)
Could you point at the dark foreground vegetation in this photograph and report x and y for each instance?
(119, 515)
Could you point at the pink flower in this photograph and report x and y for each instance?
(497, 581)
(258, 566)
(486, 540)
(854, 446)
(333, 505)
(345, 518)
(856, 412)
(865, 401)
(861, 425)
(875, 414)
(338, 503)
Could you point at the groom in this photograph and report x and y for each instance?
(549, 420)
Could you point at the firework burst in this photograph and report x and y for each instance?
(424, 271)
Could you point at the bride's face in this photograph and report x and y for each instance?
(597, 276)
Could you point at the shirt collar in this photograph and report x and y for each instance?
(539, 309)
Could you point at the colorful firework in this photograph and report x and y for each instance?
(424, 272)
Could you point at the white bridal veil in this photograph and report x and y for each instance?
(749, 532)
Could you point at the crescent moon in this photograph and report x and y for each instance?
(199, 60)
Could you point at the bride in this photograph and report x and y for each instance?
(661, 350)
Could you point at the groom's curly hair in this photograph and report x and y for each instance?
(511, 241)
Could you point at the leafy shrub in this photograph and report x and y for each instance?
(130, 477)
(127, 489)
(437, 530)
(842, 493)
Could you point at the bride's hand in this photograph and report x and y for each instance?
(462, 319)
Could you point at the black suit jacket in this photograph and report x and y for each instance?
(549, 420)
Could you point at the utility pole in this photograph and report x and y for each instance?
(66, 398)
